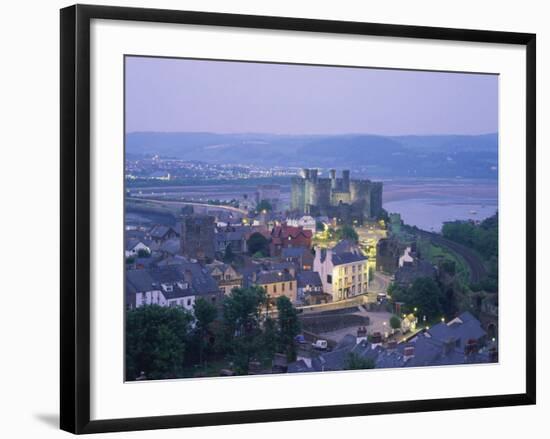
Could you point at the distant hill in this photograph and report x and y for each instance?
(421, 156)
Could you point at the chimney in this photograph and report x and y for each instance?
(408, 353)
(376, 338)
(345, 180)
(189, 277)
(471, 347)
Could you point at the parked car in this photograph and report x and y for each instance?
(321, 345)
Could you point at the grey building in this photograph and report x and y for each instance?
(198, 237)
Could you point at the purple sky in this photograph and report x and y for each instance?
(233, 97)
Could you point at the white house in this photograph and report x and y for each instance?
(172, 285)
(133, 247)
(406, 257)
(343, 270)
(306, 222)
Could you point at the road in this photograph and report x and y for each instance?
(475, 263)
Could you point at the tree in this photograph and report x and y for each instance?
(425, 295)
(228, 255)
(258, 243)
(242, 323)
(395, 322)
(289, 326)
(347, 232)
(156, 340)
(319, 226)
(355, 362)
(270, 338)
(205, 313)
(143, 253)
(264, 205)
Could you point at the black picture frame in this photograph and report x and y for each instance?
(75, 217)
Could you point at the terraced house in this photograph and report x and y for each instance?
(278, 283)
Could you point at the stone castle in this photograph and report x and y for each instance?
(342, 198)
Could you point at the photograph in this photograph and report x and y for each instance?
(293, 218)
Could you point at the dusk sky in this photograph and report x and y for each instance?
(235, 97)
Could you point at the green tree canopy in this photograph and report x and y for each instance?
(228, 255)
(356, 362)
(395, 322)
(289, 326)
(205, 313)
(156, 341)
(482, 237)
(258, 243)
(242, 319)
(347, 232)
(424, 294)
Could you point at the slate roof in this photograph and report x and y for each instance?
(159, 231)
(470, 328)
(198, 279)
(171, 246)
(428, 351)
(293, 252)
(139, 280)
(274, 276)
(132, 242)
(347, 258)
(311, 278)
(299, 366)
(344, 246)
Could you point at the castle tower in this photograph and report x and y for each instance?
(313, 175)
(333, 179)
(345, 180)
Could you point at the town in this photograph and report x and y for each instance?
(318, 279)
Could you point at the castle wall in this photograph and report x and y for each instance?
(320, 195)
(340, 197)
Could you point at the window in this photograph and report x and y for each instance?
(283, 287)
(353, 268)
(188, 302)
(274, 288)
(329, 278)
(290, 285)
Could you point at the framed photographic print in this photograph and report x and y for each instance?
(268, 218)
